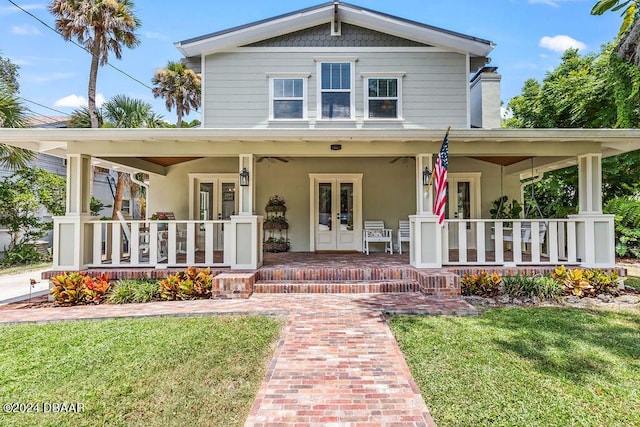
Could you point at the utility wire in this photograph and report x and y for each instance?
(77, 44)
(44, 106)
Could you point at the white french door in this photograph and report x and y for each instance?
(463, 192)
(214, 196)
(336, 212)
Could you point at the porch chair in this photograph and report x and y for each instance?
(374, 232)
(403, 233)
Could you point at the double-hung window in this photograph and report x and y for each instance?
(383, 95)
(288, 96)
(336, 96)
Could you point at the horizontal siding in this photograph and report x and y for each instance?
(237, 93)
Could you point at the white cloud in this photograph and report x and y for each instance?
(76, 101)
(12, 9)
(560, 43)
(156, 36)
(43, 78)
(553, 3)
(25, 30)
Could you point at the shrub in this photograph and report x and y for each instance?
(23, 254)
(543, 287)
(134, 290)
(79, 288)
(189, 284)
(584, 282)
(482, 284)
(627, 225)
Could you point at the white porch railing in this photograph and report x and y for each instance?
(518, 242)
(158, 244)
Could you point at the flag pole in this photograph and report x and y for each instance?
(431, 177)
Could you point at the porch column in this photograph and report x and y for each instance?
(424, 201)
(72, 234)
(425, 247)
(243, 242)
(595, 232)
(247, 197)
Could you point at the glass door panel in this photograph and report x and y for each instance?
(324, 206)
(346, 206)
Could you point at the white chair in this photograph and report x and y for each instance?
(404, 233)
(374, 232)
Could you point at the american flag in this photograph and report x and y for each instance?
(440, 179)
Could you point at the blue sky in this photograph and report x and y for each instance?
(530, 36)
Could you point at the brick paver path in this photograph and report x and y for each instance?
(337, 362)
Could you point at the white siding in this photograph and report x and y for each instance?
(434, 86)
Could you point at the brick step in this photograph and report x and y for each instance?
(335, 287)
(336, 274)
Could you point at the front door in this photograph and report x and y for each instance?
(215, 197)
(464, 203)
(336, 206)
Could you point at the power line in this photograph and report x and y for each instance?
(78, 45)
(44, 106)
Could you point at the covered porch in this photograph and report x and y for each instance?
(380, 169)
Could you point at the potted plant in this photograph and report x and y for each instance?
(276, 204)
(276, 223)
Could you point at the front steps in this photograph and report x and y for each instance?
(333, 287)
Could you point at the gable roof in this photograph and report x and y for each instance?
(324, 13)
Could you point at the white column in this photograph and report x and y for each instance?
(425, 250)
(595, 232)
(243, 242)
(247, 196)
(590, 184)
(424, 201)
(72, 234)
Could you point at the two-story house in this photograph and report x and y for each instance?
(340, 111)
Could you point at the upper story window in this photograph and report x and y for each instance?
(383, 96)
(288, 96)
(336, 95)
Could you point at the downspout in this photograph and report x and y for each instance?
(146, 194)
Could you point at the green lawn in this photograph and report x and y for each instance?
(633, 282)
(201, 371)
(526, 367)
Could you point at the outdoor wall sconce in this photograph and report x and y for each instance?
(244, 178)
(426, 175)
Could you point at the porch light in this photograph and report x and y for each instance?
(426, 175)
(244, 178)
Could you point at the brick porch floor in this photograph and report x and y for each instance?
(337, 362)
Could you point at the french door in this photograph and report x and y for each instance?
(336, 212)
(214, 196)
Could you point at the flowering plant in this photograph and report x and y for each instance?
(158, 215)
(275, 201)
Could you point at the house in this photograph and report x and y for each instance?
(340, 111)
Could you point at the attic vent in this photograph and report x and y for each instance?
(336, 27)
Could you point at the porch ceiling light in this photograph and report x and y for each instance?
(426, 175)
(244, 178)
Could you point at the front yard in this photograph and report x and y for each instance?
(526, 367)
(202, 371)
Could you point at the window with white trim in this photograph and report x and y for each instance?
(383, 95)
(287, 96)
(336, 90)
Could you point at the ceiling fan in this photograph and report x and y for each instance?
(403, 158)
(272, 159)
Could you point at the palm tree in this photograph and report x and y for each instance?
(628, 43)
(179, 86)
(124, 112)
(100, 26)
(13, 115)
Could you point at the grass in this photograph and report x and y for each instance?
(24, 268)
(202, 371)
(633, 282)
(526, 367)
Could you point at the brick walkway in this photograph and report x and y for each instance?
(337, 362)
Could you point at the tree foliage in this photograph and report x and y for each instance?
(180, 88)
(25, 195)
(584, 91)
(627, 220)
(101, 26)
(628, 40)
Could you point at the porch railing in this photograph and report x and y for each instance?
(520, 242)
(158, 244)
